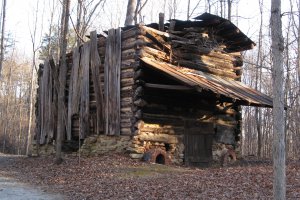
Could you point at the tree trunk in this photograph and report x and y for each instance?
(130, 12)
(7, 110)
(258, 72)
(78, 23)
(279, 182)
(229, 4)
(30, 106)
(188, 10)
(209, 6)
(298, 53)
(61, 118)
(2, 35)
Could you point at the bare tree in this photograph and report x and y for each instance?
(138, 11)
(2, 35)
(190, 13)
(131, 6)
(85, 12)
(61, 118)
(209, 6)
(229, 5)
(298, 63)
(258, 72)
(279, 182)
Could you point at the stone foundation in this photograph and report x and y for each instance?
(47, 149)
(171, 144)
(102, 144)
(172, 149)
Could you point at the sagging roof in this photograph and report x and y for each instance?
(230, 35)
(221, 86)
(235, 39)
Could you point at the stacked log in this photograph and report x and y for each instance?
(159, 114)
(192, 49)
(152, 108)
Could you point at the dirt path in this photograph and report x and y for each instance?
(12, 189)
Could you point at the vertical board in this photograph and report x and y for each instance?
(74, 91)
(51, 106)
(95, 68)
(84, 123)
(46, 103)
(112, 69)
(54, 97)
(198, 143)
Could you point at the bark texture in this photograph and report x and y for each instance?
(279, 182)
(130, 12)
(61, 118)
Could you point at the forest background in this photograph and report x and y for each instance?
(31, 33)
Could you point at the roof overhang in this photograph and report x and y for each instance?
(235, 90)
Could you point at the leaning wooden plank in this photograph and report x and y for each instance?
(95, 69)
(44, 102)
(85, 96)
(38, 105)
(117, 81)
(51, 105)
(55, 85)
(73, 100)
(112, 82)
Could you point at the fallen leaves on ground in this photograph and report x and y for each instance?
(119, 177)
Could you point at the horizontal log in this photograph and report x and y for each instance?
(153, 53)
(168, 87)
(138, 114)
(127, 88)
(140, 102)
(206, 60)
(138, 74)
(139, 91)
(126, 110)
(133, 43)
(128, 73)
(126, 131)
(201, 50)
(157, 38)
(126, 115)
(126, 100)
(125, 120)
(166, 35)
(170, 131)
(164, 138)
(133, 32)
(130, 64)
(139, 124)
(206, 68)
(127, 82)
(126, 93)
(126, 125)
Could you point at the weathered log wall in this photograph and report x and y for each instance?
(161, 105)
(111, 91)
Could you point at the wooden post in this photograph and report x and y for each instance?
(161, 21)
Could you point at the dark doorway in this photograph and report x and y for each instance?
(198, 143)
(160, 159)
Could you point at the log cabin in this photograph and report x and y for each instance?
(167, 93)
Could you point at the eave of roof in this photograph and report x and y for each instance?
(236, 40)
(198, 80)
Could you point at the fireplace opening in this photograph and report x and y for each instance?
(160, 159)
(157, 155)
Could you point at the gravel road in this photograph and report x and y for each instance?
(12, 189)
